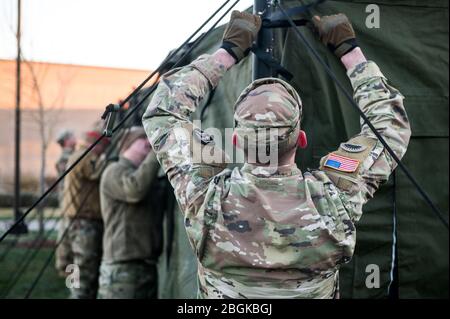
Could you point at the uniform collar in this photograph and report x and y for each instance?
(262, 171)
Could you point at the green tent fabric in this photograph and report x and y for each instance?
(177, 268)
(411, 48)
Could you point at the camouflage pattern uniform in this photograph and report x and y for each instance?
(64, 255)
(85, 236)
(272, 234)
(128, 280)
(81, 205)
(61, 163)
(132, 240)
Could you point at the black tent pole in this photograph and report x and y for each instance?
(265, 40)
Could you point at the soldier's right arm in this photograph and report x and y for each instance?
(178, 144)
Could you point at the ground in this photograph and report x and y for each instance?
(14, 254)
(6, 213)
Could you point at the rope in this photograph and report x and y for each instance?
(126, 117)
(25, 263)
(392, 289)
(37, 244)
(50, 257)
(422, 192)
(23, 266)
(11, 245)
(14, 243)
(26, 258)
(129, 114)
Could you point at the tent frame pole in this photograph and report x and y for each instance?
(265, 40)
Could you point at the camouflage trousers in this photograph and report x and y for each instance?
(128, 280)
(85, 236)
(64, 255)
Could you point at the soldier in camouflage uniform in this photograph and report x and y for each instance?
(132, 239)
(81, 205)
(64, 257)
(264, 231)
(68, 142)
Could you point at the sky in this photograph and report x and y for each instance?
(136, 34)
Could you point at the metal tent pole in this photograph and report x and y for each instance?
(265, 40)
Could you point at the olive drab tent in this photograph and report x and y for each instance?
(398, 233)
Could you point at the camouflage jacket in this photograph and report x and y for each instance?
(281, 234)
(131, 230)
(81, 196)
(61, 165)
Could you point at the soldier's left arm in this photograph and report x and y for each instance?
(362, 164)
(92, 167)
(130, 185)
(177, 143)
(135, 186)
(61, 165)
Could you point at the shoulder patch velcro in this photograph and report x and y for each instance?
(353, 148)
(341, 163)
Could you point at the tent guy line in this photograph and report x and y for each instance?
(327, 69)
(422, 192)
(95, 143)
(47, 263)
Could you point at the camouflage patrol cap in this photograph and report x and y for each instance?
(63, 135)
(268, 103)
(95, 133)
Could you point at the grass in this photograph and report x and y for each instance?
(50, 286)
(8, 213)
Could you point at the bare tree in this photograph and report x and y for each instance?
(46, 117)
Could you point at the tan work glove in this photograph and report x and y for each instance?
(336, 32)
(240, 33)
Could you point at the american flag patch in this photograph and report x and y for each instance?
(341, 163)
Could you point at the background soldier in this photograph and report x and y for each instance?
(132, 239)
(82, 206)
(273, 231)
(67, 140)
